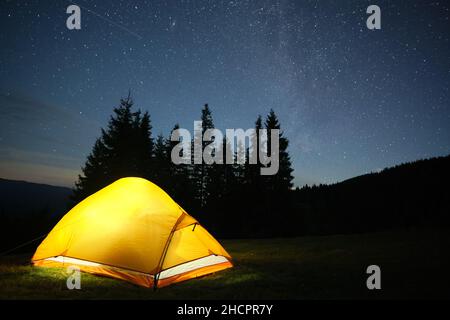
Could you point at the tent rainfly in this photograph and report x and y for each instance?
(132, 230)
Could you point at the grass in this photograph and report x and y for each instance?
(413, 264)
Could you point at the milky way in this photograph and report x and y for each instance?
(350, 100)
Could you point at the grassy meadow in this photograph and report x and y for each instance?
(414, 264)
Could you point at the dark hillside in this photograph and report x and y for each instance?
(414, 194)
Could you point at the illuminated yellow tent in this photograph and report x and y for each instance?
(132, 230)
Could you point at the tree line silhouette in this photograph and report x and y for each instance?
(231, 200)
(235, 201)
(410, 195)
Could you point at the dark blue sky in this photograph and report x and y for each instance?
(350, 100)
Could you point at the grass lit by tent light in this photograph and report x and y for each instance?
(413, 265)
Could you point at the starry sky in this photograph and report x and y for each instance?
(350, 100)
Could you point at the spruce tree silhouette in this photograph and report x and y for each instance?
(254, 187)
(124, 149)
(282, 181)
(217, 194)
(202, 172)
(276, 187)
(253, 171)
(180, 184)
(161, 160)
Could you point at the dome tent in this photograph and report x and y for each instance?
(132, 230)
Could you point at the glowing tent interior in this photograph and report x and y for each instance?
(132, 230)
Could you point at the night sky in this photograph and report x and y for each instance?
(349, 99)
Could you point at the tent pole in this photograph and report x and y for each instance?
(166, 248)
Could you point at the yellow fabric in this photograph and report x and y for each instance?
(128, 225)
(191, 243)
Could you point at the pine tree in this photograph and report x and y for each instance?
(123, 149)
(228, 178)
(161, 161)
(202, 172)
(146, 145)
(277, 187)
(253, 171)
(252, 188)
(95, 172)
(180, 183)
(282, 181)
(224, 205)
